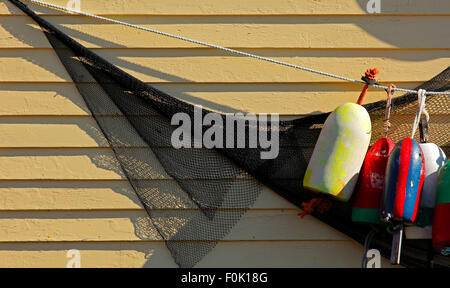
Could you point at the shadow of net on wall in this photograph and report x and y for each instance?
(195, 196)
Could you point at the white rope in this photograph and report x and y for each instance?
(421, 99)
(233, 51)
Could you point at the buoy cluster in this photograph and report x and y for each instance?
(404, 185)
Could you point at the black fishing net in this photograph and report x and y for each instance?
(195, 196)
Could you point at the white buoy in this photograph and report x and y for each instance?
(339, 153)
(435, 158)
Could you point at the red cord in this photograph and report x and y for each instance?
(369, 75)
(321, 205)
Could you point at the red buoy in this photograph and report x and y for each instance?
(405, 173)
(369, 190)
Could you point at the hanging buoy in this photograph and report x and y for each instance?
(403, 182)
(435, 158)
(339, 152)
(366, 207)
(441, 222)
(405, 174)
(369, 189)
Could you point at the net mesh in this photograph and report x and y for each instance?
(195, 196)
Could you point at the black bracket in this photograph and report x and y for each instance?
(423, 129)
(369, 81)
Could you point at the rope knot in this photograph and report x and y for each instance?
(369, 76)
(387, 126)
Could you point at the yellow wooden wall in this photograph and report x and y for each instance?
(57, 193)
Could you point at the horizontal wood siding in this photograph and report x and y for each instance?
(248, 7)
(60, 185)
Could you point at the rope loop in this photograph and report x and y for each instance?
(421, 100)
(387, 123)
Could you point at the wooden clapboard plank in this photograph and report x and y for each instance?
(85, 164)
(76, 226)
(285, 99)
(50, 132)
(188, 65)
(67, 195)
(321, 254)
(92, 255)
(289, 99)
(21, 32)
(307, 32)
(32, 65)
(241, 254)
(51, 99)
(63, 164)
(235, 7)
(96, 195)
(195, 65)
(83, 132)
(27, 99)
